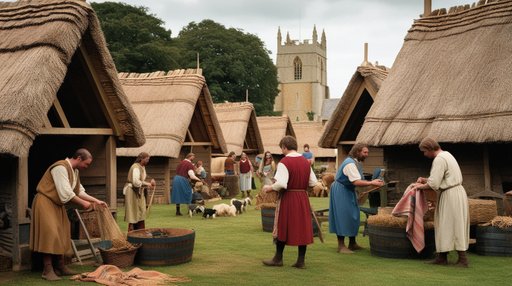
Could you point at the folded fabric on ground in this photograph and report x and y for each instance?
(413, 204)
(113, 276)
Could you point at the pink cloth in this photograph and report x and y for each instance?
(413, 204)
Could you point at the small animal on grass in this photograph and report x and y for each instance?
(209, 213)
(239, 205)
(195, 209)
(248, 202)
(225, 210)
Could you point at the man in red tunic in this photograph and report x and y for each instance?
(292, 225)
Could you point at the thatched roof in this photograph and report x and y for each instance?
(450, 81)
(272, 130)
(167, 104)
(309, 132)
(239, 126)
(348, 116)
(38, 41)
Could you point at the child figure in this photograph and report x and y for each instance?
(200, 171)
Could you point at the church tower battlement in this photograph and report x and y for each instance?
(302, 74)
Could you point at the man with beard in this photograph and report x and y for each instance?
(343, 205)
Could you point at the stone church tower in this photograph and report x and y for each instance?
(302, 75)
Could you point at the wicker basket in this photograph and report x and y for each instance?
(482, 211)
(120, 258)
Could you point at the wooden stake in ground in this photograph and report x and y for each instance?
(315, 219)
(150, 201)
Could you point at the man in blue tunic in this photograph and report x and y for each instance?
(343, 205)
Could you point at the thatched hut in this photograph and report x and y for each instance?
(59, 91)
(347, 118)
(176, 111)
(450, 81)
(309, 132)
(272, 130)
(239, 127)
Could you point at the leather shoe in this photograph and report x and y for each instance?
(272, 262)
(299, 265)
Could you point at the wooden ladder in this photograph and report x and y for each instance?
(92, 251)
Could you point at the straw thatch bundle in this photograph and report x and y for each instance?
(443, 69)
(239, 126)
(389, 220)
(272, 130)
(482, 211)
(500, 222)
(266, 200)
(39, 40)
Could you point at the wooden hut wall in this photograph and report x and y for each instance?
(158, 169)
(8, 186)
(375, 158)
(407, 163)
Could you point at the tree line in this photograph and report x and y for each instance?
(232, 60)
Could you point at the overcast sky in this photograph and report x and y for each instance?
(348, 24)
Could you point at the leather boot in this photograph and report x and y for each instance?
(249, 194)
(277, 260)
(352, 245)
(463, 259)
(242, 194)
(300, 263)
(178, 213)
(441, 259)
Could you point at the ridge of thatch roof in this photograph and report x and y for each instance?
(368, 77)
(450, 81)
(165, 103)
(39, 39)
(239, 126)
(272, 130)
(309, 132)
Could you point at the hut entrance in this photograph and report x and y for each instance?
(45, 151)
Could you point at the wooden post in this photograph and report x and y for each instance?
(365, 60)
(427, 8)
(111, 172)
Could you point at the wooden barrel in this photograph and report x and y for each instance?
(163, 246)
(493, 241)
(267, 220)
(392, 242)
(232, 184)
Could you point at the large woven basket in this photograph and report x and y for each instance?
(482, 211)
(119, 257)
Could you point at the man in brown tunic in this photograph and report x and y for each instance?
(50, 229)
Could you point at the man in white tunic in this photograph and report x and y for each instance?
(451, 218)
(135, 200)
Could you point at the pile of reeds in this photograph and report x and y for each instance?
(389, 220)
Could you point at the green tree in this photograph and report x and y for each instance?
(232, 62)
(136, 39)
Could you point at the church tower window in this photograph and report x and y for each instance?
(297, 65)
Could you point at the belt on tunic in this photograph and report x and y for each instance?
(295, 190)
(442, 190)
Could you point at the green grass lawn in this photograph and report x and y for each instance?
(229, 250)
